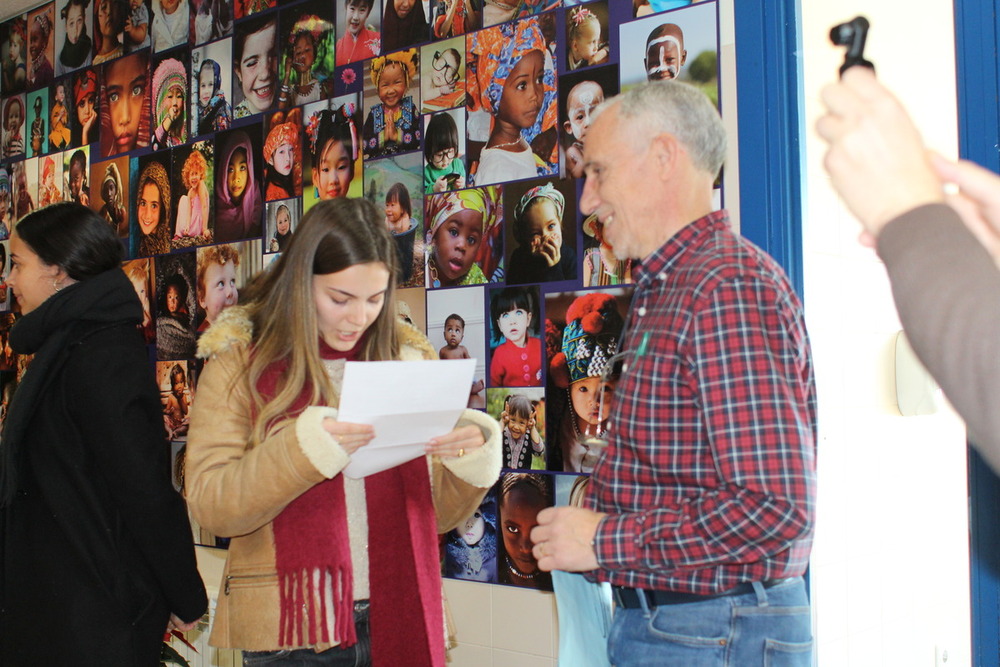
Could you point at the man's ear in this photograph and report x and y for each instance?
(665, 150)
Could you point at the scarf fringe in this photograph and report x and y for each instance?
(308, 598)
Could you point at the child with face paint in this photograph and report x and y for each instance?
(359, 41)
(665, 54)
(522, 444)
(170, 94)
(13, 119)
(192, 208)
(585, 45)
(517, 361)
(393, 125)
(541, 255)
(583, 98)
(458, 223)
(84, 130)
(333, 139)
(213, 109)
(307, 66)
(238, 202)
(76, 50)
(38, 46)
(522, 497)
(283, 156)
(509, 79)
(471, 548)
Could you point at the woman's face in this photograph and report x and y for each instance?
(283, 221)
(32, 280)
(523, 91)
(257, 70)
(149, 208)
(456, 243)
(348, 302)
(238, 174)
(519, 509)
(474, 529)
(332, 176)
(585, 395)
(85, 109)
(74, 23)
(303, 53)
(206, 85)
(392, 85)
(283, 159)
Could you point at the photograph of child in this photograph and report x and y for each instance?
(38, 135)
(109, 17)
(27, 198)
(170, 26)
(210, 88)
(59, 117)
(84, 125)
(394, 184)
(255, 61)
(455, 319)
(282, 218)
(152, 204)
(216, 281)
(176, 394)
(23, 199)
(462, 240)
(50, 180)
(333, 131)
(541, 236)
(516, 357)
(5, 300)
(585, 331)
(141, 277)
(213, 19)
(125, 104)
(442, 65)
(13, 126)
(579, 95)
(193, 173)
(76, 186)
(137, 26)
(239, 203)
(359, 26)
(392, 124)
(511, 81)
(600, 265)
(283, 155)
(6, 211)
(14, 45)
(470, 551)
(587, 35)
(41, 45)
(444, 151)
(404, 24)
(175, 300)
(247, 7)
(521, 415)
(110, 191)
(646, 7)
(452, 18)
(170, 93)
(307, 54)
(73, 42)
(521, 497)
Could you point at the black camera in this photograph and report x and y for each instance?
(852, 35)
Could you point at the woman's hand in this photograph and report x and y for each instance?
(457, 443)
(351, 437)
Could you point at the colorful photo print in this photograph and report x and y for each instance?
(193, 175)
(333, 134)
(41, 45)
(247, 7)
(470, 550)
(583, 332)
(601, 267)
(239, 202)
(463, 240)
(74, 27)
(28, 201)
(646, 7)
(516, 354)
(13, 126)
(109, 22)
(282, 219)
(283, 155)
(444, 151)
(76, 175)
(404, 24)
(110, 193)
(496, 13)
(222, 270)
(213, 20)
(587, 36)
(125, 104)
(22, 202)
(255, 63)
(521, 496)
(50, 175)
(170, 95)
(359, 23)
(14, 45)
(455, 322)
(521, 415)
(395, 184)
(306, 52)
(85, 123)
(442, 69)
(392, 122)
(175, 306)
(512, 104)
(579, 95)
(38, 133)
(5, 296)
(171, 24)
(60, 134)
(137, 27)
(6, 210)
(151, 204)
(140, 274)
(176, 393)
(541, 231)
(452, 18)
(210, 86)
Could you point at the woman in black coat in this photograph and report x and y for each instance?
(96, 554)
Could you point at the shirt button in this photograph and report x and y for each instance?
(524, 356)
(661, 276)
(642, 311)
(526, 368)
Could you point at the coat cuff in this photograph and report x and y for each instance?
(481, 467)
(319, 446)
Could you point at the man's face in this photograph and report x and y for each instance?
(257, 69)
(74, 23)
(582, 100)
(125, 80)
(357, 14)
(664, 57)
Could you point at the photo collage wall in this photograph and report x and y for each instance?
(202, 131)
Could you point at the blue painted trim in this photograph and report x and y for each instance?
(770, 104)
(978, 77)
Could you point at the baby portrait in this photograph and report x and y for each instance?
(456, 324)
(587, 35)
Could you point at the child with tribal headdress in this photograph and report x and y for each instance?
(283, 156)
(112, 193)
(169, 94)
(308, 62)
(84, 130)
(459, 238)
(508, 78)
(392, 125)
(541, 254)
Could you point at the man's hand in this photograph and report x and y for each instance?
(564, 537)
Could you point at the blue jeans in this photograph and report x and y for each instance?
(768, 627)
(359, 655)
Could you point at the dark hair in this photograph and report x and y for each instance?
(247, 28)
(506, 300)
(64, 12)
(360, 3)
(78, 158)
(399, 193)
(3, 257)
(335, 125)
(175, 371)
(455, 316)
(73, 238)
(441, 134)
(519, 405)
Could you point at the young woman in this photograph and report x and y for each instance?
(320, 562)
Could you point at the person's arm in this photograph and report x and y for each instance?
(460, 483)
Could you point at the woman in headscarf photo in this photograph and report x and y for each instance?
(153, 210)
(403, 24)
(238, 201)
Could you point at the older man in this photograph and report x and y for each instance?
(703, 505)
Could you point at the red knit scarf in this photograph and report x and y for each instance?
(313, 558)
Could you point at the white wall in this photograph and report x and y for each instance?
(890, 563)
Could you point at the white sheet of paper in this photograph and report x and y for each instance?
(408, 403)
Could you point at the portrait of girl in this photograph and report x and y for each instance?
(109, 16)
(138, 272)
(255, 61)
(23, 201)
(283, 156)
(41, 45)
(216, 281)
(247, 7)
(393, 122)
(460, 228)
(454, 17)
(175, 336)
(521, 415)
(170, 26)
(14, 68)
(151, 232)
(510, 81)
(444, 166)
(214, 113)
(600, 265)
(125, 104)
(13, 126)
(585, 45)
(170, 87)
(544, 252)
(334, 148)
(516, 358)
(193, 212)
(580, 373)
(77, 186)
(307, 60)
(282, 218)
(239, 206)
(358, 25)
(83, 130)
(522, 497)
(50, 181)
(38, 140)
(59, 132)
(72, 36)
(112, 191)
(470, 550)
(403, 24)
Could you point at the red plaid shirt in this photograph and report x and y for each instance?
(709, 477)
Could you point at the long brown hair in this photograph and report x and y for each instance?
(334, 235)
